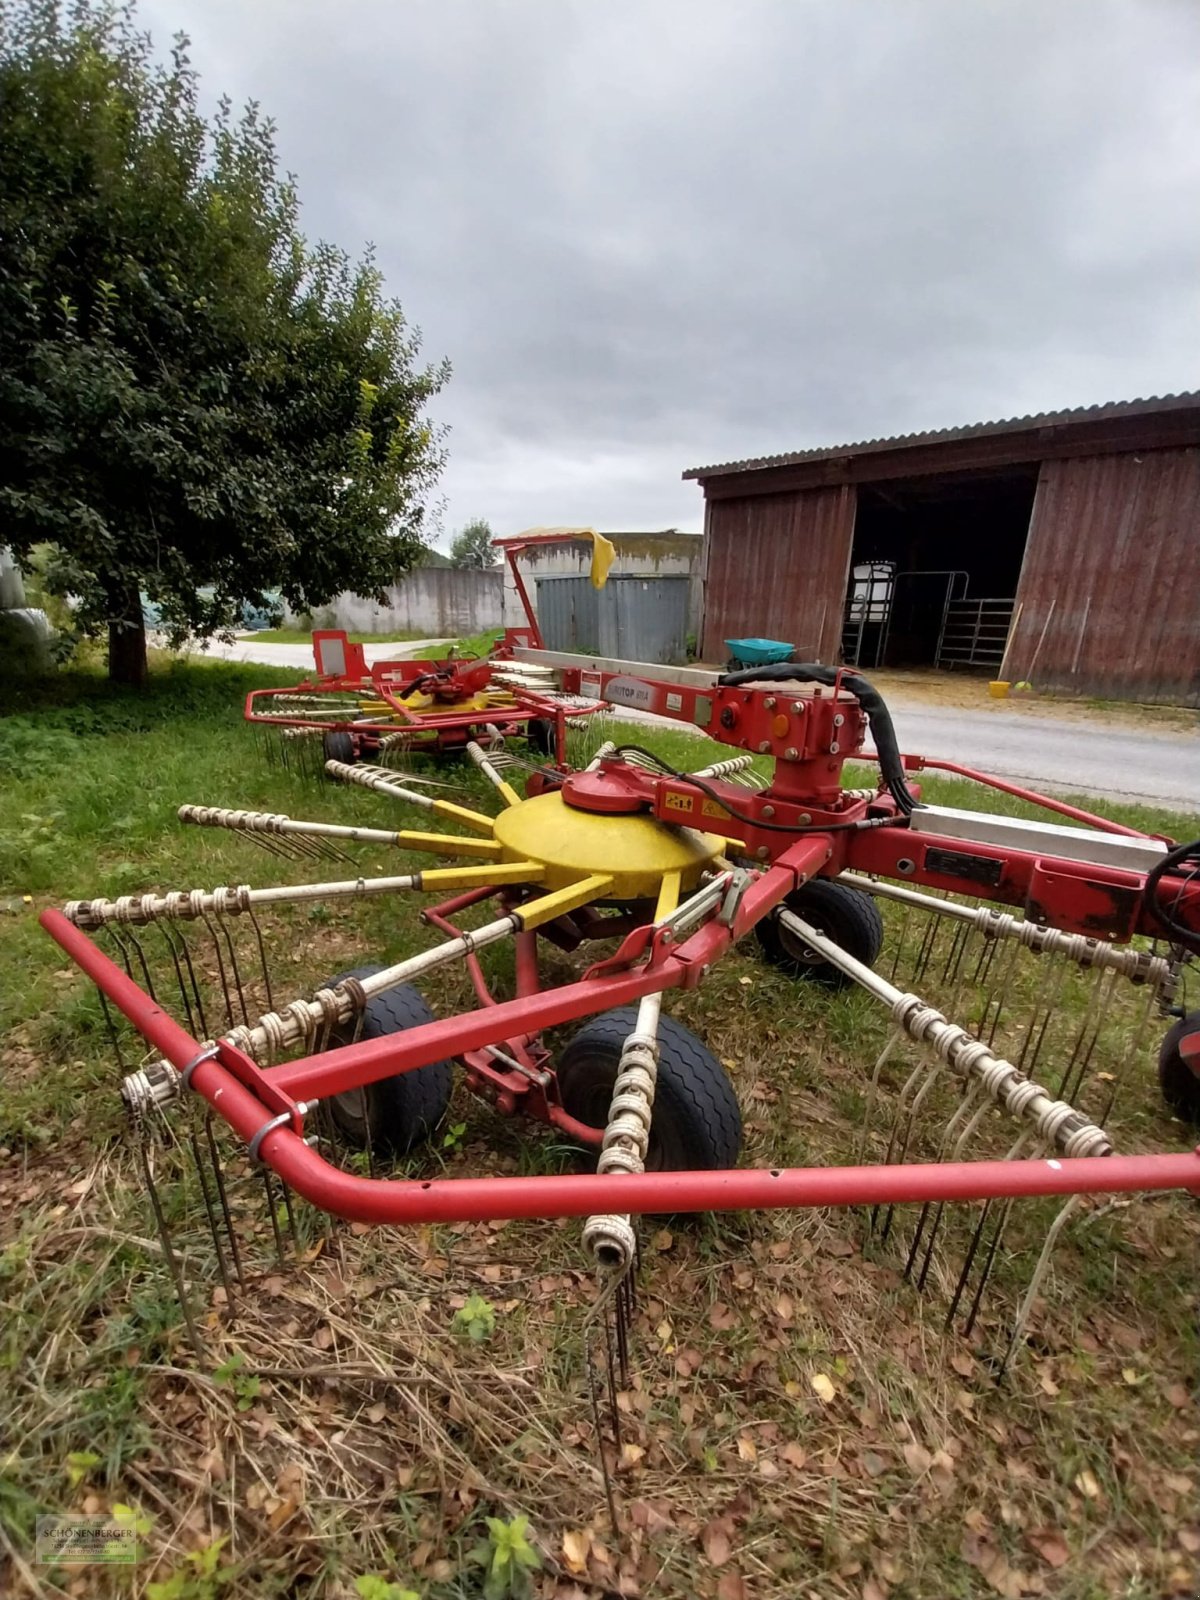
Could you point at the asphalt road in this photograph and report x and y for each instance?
(1063, 755)
(301, 656)
(1113, 760)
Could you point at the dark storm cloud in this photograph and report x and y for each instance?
(651, 235)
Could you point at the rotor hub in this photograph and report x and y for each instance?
(635, 851)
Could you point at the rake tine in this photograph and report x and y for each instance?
(141, 957)
(925, 950)
(999, 996)
(223, 1198)
(890, 1044)
(1036, 1277)
(968, 1263)
(141, 1139)
(209, 1207)
(932, 1072)
(216, 944)
(613, 1363)
(1103, 988)
(939, 1210)
(988, 1263)
(234, 969)
(168, 935)
(1133, 1053)
(268, 1187)
(186, 952)
(262, 958)
(901, 940)
(113, 1035)
(609, 1494)
(1030, 1052)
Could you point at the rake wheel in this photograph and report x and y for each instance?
(847, 916)
(697, 1125)
(1179, 1084)
(395, 1114)
(339, 746)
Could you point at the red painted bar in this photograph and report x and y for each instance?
(485, 1199)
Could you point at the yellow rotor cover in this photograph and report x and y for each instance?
(636, 852)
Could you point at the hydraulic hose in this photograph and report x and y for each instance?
(868, 697)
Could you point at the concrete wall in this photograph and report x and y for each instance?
(654, 555)
(441, 602)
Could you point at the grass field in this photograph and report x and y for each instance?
(796, 1423)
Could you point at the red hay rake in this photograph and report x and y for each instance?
(662, 872)
(350, 711)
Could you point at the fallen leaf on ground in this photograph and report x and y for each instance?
(1087, 1484)
(822, 1387)
(715, 1540)
(1050, 1545)
(576, 1543)
(731, 1586)
(917, 1458)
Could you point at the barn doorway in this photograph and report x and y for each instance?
(934, 570)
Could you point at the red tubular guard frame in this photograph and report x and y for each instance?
(249, 1099)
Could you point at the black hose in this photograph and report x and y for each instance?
(748, 817)
(1180, 933)
(868, 697)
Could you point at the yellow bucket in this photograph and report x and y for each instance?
(999, 690)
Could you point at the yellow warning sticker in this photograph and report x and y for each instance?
(679, 802)
(710, 808)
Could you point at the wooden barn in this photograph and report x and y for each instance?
(1072, 537)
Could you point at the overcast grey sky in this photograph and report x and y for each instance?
(651, 234)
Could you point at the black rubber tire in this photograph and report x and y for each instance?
(340, 746)
(1179, 1084)
(400, 1112)
(696, 1126)
(847, 916)
(540, 733)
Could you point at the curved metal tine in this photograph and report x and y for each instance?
(926, 947)
(933, 1071)
(901, 1101)
(230, 1019)
(901, 941)
(116, 935)
(998, 997)
(1094, 1012)
(262, 956)
(997, 1234)
(952, 1153)
(269, 1191)
(954, 955)
(1130, 1055)
(223, 1197)
(141, 1140)
(210, 1207)
(142, 962)
(980, 979)
(881, 1059)
(166, 934)
(1035, 1280)
(113, 1035)
(197, 996)
(1035, 1037)
(597, 1420)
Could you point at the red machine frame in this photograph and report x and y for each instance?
(804, 825)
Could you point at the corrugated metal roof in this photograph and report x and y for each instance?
(904, 441)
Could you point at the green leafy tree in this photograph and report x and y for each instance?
(472, 546)
(195, 402)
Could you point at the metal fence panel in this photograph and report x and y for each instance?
(636, 618)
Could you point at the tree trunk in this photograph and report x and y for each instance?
(126, 637)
